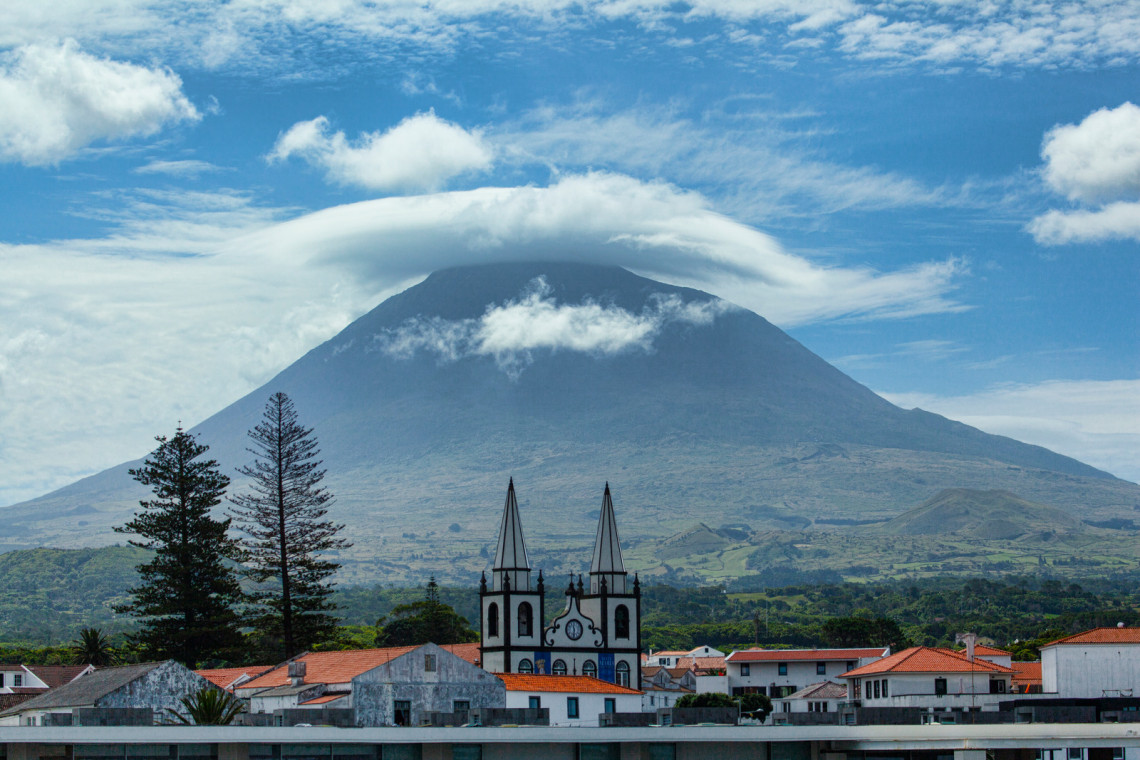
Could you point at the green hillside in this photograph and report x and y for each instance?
(986, 515)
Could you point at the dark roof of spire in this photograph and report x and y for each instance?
(607, 545)
(511, 553)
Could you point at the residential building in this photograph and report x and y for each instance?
(149, 689)
(1026, 677)
(1102, 662)
(383, 687)
(34, 679)
(571, 700)
(819, 700)
(229, 678)
(597, 634)
(672, 658)
(662, 687)
(782, 672)
(929, 677)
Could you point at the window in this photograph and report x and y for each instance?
(493, 620)
(651, 698)
(621, 622)
(611, 705)
(885, 688)
(787, 707)
(429, 663)
(571, 707)
(996, 686)
(940, 687)
(535, 703)
(526, 666)
(525, 615)
(821, 668)
(823, 707)
(782, 668)
(867, 689)
(461, 707)
(590, 668)
(876, 689)
(850, 664)
(745, 669)
(559, 668)
(622, 672)
(18, 679)
(402, 712)
(1075, 753)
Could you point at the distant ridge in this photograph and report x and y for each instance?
(988, 515)
(727, 421)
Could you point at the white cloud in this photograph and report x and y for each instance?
(1114, 221)
(1095, 421)
(56, 100)
(194, 299)
(184, 168)
(420, 153)
(1097, 160)
(1095, 163)
(513, 331)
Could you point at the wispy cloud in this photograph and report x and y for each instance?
(56, 100)
(420, 153)
(1095, 421)
(194, 299)
(1095, 164)
(183, 168)
(514, 331)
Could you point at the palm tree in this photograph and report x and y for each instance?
(92, 648)
(209, 706)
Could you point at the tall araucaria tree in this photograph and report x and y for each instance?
(287, 538)
(187, 592)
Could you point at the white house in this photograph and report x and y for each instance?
(782, 672)
(33, 679)
(571, 700)
(672, 658)
(929, 677)
(1103, 662)
(823, 697)
(662, 687)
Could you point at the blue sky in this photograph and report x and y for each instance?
(941, 198)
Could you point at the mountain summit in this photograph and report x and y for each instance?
(568, 375)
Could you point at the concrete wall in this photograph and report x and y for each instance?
(162, 688)
(1091, 670)
(406, 678)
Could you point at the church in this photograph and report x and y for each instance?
(598, 633)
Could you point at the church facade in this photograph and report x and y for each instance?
(598, 633)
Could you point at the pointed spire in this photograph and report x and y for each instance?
(510, 556)
(607, 562)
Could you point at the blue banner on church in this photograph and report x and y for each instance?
(606, 666)
(542, 663)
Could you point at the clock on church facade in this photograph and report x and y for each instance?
(597, 634)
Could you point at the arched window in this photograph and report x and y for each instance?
(621, 622)
(622, 672)
(526, 666)
(590, 668)
(559, 668)
(493, 620)
(525, 615)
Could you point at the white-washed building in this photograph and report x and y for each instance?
(822, 698)
(1103, 662)
(782, 672)
(929, 678)
(571, 700)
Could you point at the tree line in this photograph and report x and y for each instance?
(190, 601)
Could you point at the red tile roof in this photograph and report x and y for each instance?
(926, 660)
(790, 655)
(1101, 636)
(325, 699)
(562, 684)
(57, 675)
(982, 649)
(223, 677)
(701, 663)
(343, 666)
(1026, 672)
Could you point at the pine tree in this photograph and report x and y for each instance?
(187, 592)
(287, 538)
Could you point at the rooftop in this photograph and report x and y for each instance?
(225, 677)
(824, 690)
(343, 666)
(814, 655)
(1101, 636)
(927, 660)
(566, 684)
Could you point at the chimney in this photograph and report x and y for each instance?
(297, 673)
(969, 639)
